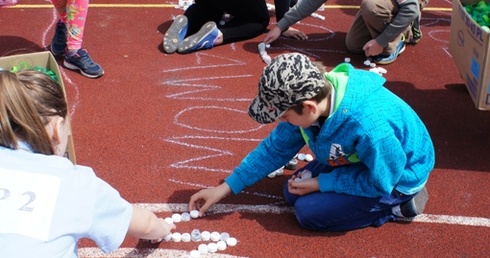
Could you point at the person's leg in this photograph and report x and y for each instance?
(333, 212)
(73, 14)
(377, 15)
(201, 29)
(60, 37)
(250, 19)
(357, 35)
(201, 12)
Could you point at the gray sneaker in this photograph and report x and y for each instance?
(175, 34)
(384, 60)
(415, 206)
(203, 39)
(82, 62)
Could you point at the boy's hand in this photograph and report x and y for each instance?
(304, 186)
(205, 198)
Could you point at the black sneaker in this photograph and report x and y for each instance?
(415, 206)
(82, 62)
(58, 44)
(175, 34)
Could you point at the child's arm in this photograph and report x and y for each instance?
(146, 225)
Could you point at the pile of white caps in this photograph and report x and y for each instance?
(218, 241)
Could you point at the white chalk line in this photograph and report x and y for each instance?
(269, 196)
(86, 252)
(180, 140)
(221, 108)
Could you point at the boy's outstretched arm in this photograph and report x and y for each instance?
(210, 196)
(146, 225)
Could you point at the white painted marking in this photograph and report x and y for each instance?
(269, 209)
(143, 252)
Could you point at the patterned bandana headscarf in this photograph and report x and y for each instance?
(287, 81)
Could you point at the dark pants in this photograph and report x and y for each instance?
(335, 212)
(250, 18)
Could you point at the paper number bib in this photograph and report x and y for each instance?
(27, 203)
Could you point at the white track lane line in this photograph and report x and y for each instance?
(227, 208)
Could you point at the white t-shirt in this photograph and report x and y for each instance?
(47, 204)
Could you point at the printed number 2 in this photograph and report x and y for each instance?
(25, 207)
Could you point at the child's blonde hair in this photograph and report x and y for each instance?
(27, 101)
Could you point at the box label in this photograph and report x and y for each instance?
(474, 30)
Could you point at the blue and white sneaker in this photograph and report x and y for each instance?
(383, 60)
(58, 44)
(203, 39)
(82, 62)
(175, 34)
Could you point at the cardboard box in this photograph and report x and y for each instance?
(469, 45)
(44, 60)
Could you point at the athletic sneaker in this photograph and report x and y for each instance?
(58, 44)
(203, 39)
(383, 60)
(175, 34)
(415, 206)
(81, 61)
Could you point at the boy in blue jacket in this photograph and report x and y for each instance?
(373, 154)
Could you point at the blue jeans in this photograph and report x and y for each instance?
(335, 212)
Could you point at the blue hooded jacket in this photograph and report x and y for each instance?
(373, 142)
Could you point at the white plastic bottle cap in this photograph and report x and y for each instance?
(306, 175)
(176, 218)
(176, 237)
(301, 156)
(280, 171)
(205, 236)
(231, 241)
(367, 63)
(194, 214)
(215, 236)
(186, 237)
(347, 59)
(168, 237)
(195, 235)
(221, 245)
(224, 236)
(203, 248)
(169, 220)
(381, 70)
(185, 216)
(195, 254)
(372, 65)
(212, 247)
(272, 175)
(309, 157)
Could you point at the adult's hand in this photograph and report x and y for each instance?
(205, 198)
(372, 48)
(295, 34)
(272, 35)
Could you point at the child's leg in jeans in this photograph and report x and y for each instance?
(333, 212)
(73, 13)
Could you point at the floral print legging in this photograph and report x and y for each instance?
(73, 13)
